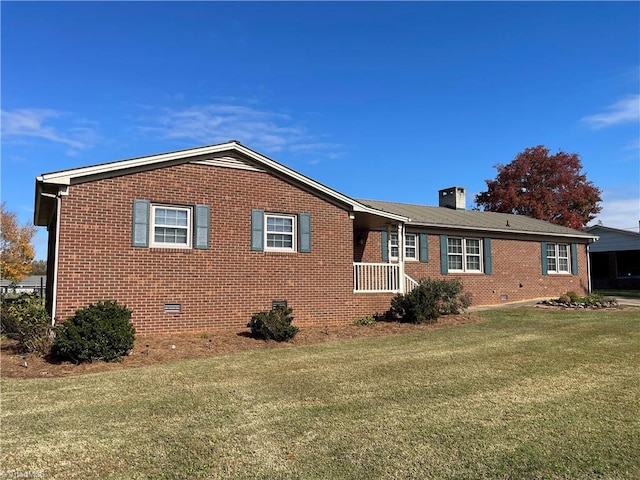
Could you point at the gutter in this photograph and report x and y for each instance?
(591, 238)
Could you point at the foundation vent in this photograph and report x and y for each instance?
(278, 303)
(172, 308)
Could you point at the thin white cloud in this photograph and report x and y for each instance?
(36, 123)
(633, 146)
(623, 213)
(314, 147)
(626, 110)
(261, 129)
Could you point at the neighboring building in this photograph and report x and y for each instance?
(201, 239)
(34, 284)
(615, 258)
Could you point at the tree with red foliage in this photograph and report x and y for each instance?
(543, 186)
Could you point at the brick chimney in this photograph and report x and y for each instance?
(453, 197)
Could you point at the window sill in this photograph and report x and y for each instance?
(462, 272)
(279, 252)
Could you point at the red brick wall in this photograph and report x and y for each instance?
(516, 270)
(217, 288)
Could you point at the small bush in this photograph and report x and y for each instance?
(368, 320)
(418, 306)
(594, 298)
(564, 298)
(573, 297)
(98, 332)
(274, 324)
(430, 299)
(26, 320)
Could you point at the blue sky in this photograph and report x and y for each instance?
(391, 101)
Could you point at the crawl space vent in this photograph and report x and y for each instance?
(172, 308)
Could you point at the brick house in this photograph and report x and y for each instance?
(201, 239)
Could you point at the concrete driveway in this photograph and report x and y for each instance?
(631, 301)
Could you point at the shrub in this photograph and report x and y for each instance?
(26, 320)
(449, 294)
(368, 320)
(574, 297)
(594, 298)
(564, 298)
(418, 306)
(98, 332)
(274, 324)
(430, 299)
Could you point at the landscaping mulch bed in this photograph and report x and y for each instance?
(157, 349)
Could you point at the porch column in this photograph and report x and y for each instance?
(401, 257)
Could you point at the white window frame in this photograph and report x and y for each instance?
(465, 255)
(393, 245)
(415, 247)
(293, 234)
(557, 257)
(188, 228)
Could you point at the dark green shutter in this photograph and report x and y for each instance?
(305, 233)
(257, 230)
(444, 255)
(201, 227)
(574, 259)
(545, 266)
(140, 228)
(487, 256)
(384, 240)
(424, 248)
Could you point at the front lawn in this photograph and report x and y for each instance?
(527, 394)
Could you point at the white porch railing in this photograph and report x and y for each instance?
(380, 278)
(409, 283)
(376, 277)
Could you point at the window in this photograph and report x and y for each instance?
(464, 254)
(393, 245)
(170, 226)
(280, 233)
(558, 258)
(410, 246)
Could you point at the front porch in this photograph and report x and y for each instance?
(378, 265)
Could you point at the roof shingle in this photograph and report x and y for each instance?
(426, 216)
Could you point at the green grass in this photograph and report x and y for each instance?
(527, 394)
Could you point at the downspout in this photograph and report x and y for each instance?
(56, 255)
(589, 267)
